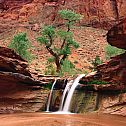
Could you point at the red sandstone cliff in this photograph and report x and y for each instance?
(99, 13)
(19, 92)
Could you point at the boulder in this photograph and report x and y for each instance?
(12, 62)
(116, 36)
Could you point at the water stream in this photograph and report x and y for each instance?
(67, 95)
(70, 93)
(50, 96)
(66, 90)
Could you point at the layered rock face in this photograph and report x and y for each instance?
(114, 73)
(97, 13)
(113, 103)
(11, 62)
(19, 92)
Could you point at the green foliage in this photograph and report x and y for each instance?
(48, 32)
(51, 59)
(65, 35)
(97, 61)
(68, 69)
(48, 86)
(50, 35)
(112, 51)
(20, 44)
(50, 69)
(67, 66)
(69, 15)
(97, 82)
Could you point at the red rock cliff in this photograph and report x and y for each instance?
(99, 13)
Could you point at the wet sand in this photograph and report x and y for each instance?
(40, 119)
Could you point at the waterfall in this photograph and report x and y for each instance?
(70, 93)
(50, 96)
(67, 96)
(67, 88)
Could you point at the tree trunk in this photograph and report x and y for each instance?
(58, 65)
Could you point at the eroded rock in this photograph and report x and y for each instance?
(11, 62)
(103, 13)
(19, 92)
(116, 36)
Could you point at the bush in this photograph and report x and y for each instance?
(20, 44)
(112, 51)
(97, 61)
(50, 69)
(67, 68)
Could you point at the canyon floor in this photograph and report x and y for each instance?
(41, 119)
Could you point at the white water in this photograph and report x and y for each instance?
(70, 93)
(66, 98)
(50, 96)
(67, 88)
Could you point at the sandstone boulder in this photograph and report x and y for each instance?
(116, 36)
(11, 62)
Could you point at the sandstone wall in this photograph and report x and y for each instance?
(19, 91)
(98, 13)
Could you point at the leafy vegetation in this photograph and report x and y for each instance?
(67, 69)
(97, 82)
(97, 61)
(112, 51)
(48, 86)
(50, 35)
(20, 44)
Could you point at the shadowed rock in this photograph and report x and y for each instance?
(18, 90)
(116, 36)
(11, 62)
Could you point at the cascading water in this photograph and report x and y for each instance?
(50, 96)
(67, 88)
(70, 93)
(66, 98)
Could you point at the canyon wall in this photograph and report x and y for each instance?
(97, 13)
(19, 91)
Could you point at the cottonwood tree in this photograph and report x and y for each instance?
(50, 35)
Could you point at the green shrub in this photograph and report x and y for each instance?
(97, 82)
(97, 61)
(112, 51)
(50, 69)
(67, 69)
(20, 44)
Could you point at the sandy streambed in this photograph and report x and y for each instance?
(40, 119)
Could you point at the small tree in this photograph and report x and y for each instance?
(20, 44)
(97, 61)
(50, 34)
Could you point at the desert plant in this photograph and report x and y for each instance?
(97, 61)
(20, 44)
(51, 34)
(50, 69)
(111, 51)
